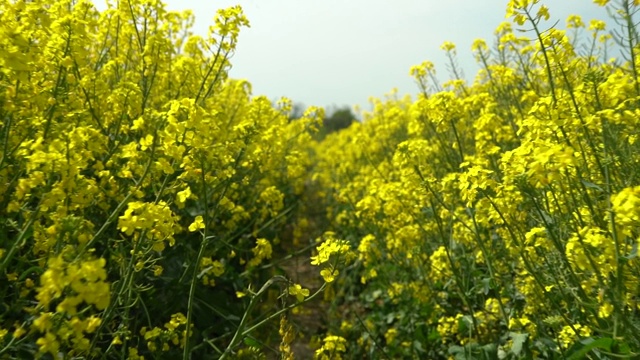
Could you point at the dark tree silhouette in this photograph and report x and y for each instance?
(339, 119)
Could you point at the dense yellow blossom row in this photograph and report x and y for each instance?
(499, 217)
(143, 194)
(140, 188)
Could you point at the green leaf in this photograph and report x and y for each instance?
(490, 351)
(621, 348)
(518, 341)
(486, 285)
(419, 334)
(455, 349)
(591, 185)
(34, 269)
(580, 349)
(434, 335)
(465, 324)
(251, 342)
(390, 318)
(634, 252)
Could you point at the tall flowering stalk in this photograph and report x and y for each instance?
(496, 219)
(139, 184)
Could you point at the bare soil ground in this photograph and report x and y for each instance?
(307, 320)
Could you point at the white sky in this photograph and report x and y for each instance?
(340, 52)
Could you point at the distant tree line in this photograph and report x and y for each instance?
(336, 118)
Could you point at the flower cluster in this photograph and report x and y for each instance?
(480, 211)
(333, 251)
(138, 181)
(332, 347)
(140, 187)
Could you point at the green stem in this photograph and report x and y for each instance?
(194, 276)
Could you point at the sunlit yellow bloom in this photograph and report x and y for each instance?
(299, 292)
(197, 224)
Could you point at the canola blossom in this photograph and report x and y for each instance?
(150, 205)
(496, 219)
(139, 184)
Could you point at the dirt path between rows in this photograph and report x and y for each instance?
(307, 320)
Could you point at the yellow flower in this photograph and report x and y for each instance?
(261, 251)
(597, 25)
(329, 274)
(574, 21)
(198, 224)
(605, 310)
(48, 344)
(390, 335)
(19, 331)
(626, 206)
(92, 324)
(299, 292)
(217, 268)
(543, 12)
(116, 341)
(157, 270)
(332, 346)
(568, 334)
(448, 46)
(184, 195)
(329, 247)
(133, 354)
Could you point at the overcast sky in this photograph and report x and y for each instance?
(341, 52)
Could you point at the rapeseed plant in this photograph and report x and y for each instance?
(145, 195)
(509, 201)
(139, 183)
